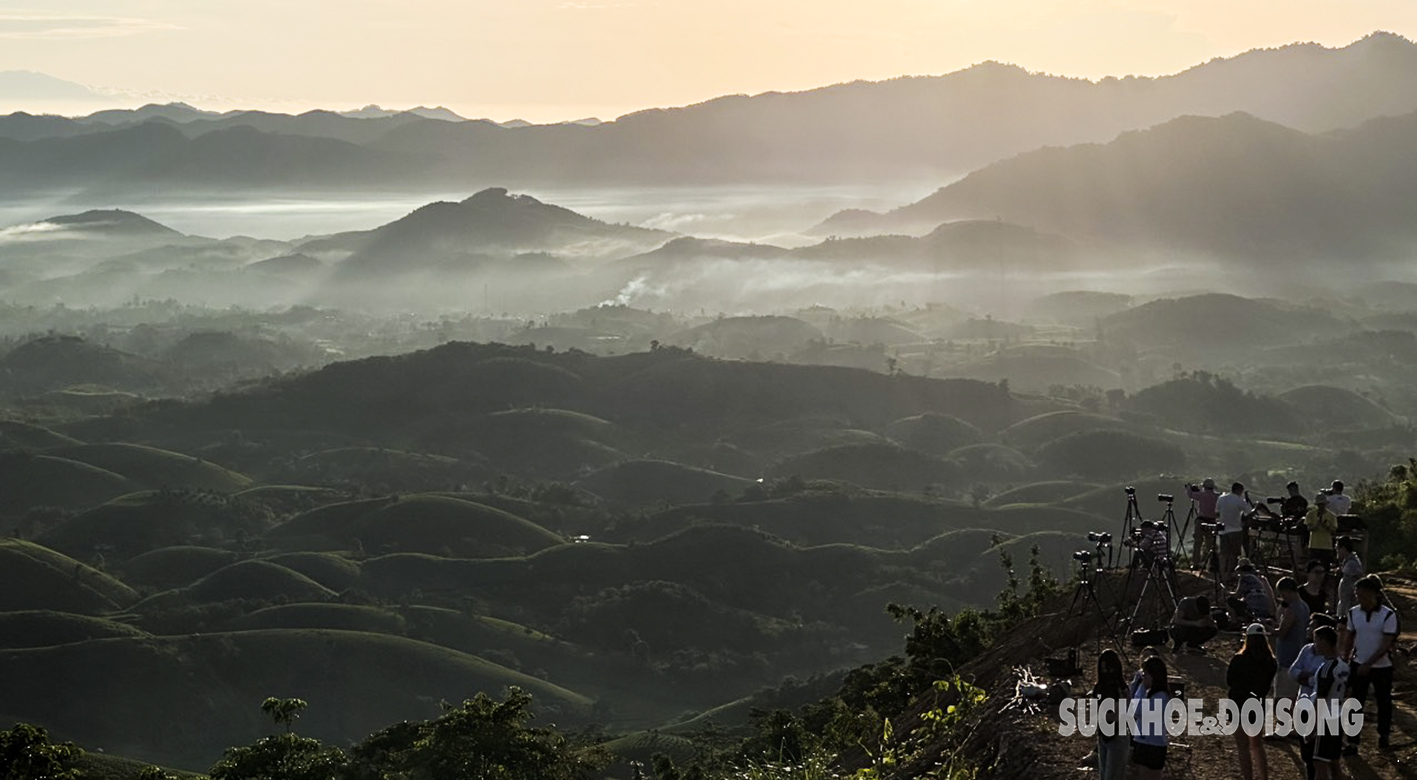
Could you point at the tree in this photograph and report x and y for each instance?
(480, 739)
(27, 754)
(285, 756)
(283, 710)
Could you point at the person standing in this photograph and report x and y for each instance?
(1370, 630)
(1322, 525)
(1331, 678)
(1204, 498)
(1350, 570)
(1314, 591)
(1113, 748)
(1249, 676)
(1304, 671)
(1232, 510)
(1150, 686)
(1295, 505)
(1291, 635)
(1339, 503)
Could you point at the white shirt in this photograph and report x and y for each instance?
(1368, 629)
(1228, 509)
(1339, 504)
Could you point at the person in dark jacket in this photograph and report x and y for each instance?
(1250, 676)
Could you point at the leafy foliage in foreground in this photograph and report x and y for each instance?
(27, 754)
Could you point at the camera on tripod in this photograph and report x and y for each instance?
(1167, 497)
(1131, 491)
(1099, 537)
(1083, 555)
(1275, 500)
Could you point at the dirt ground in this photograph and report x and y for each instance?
(1045, 755)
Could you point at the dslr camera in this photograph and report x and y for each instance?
(1082, 555)
(1167, 497)
(1131, 491)
(1275, 500)
(1099, 537)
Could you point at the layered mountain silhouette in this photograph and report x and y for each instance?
(491, 224)
(1234, 186)
(912, 127)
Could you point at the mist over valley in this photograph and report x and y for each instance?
(652, 418)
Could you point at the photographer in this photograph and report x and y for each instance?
(1204, 498)
(1339, 503)
(1233, 509)
(1151, 544)
(1192, 624)
(1294, 505)
(1321, 524)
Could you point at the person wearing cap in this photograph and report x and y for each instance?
(1232, 510)
(1339, 502)
(1322, 525)
(1370, 631)
(1250, 676)
(1204, 498)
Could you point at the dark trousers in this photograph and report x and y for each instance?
(1195, 636)
(1306, 753)
(1381, 681)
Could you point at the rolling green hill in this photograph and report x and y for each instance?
(154, 468)
(430, 524)
(44, 628)
(28, 481)
(174, 567)
(37, 578)
(651, 481)
(188, 698)
(141, 522)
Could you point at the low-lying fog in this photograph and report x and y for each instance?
(775, 215)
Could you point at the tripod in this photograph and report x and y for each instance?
(1087, 595)
(1168, 518)
(1133, 518)
(1162, 603)
(1191, 555)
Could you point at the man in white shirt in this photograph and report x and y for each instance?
(1370, 630)
(1338, 502)
(1232, 510)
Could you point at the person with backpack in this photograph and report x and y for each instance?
(1370, 632)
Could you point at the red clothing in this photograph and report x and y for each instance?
(1205, 501)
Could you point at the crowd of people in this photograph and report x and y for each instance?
(1320, 632)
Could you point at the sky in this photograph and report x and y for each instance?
(553, 60)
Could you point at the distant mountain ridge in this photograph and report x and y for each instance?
(1234, 186)
(912, 127)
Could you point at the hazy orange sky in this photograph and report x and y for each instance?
(547, 60)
